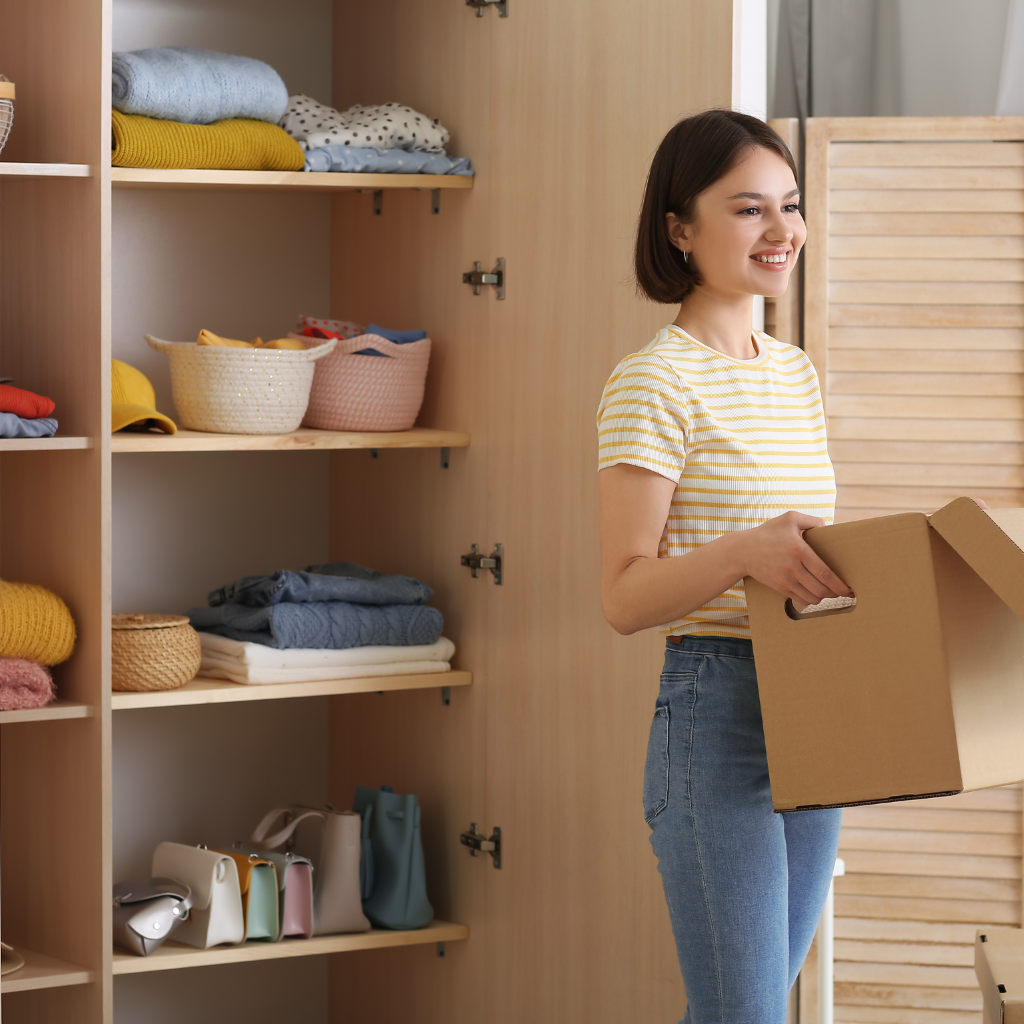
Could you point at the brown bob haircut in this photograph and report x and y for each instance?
(693, 156)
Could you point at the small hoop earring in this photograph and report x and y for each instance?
(686, 256)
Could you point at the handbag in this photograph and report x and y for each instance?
(216, 916)
(146, 913)
(257, 881)
(295, 892)
(331, 840)
(397, 881)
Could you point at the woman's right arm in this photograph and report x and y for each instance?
(640, 590)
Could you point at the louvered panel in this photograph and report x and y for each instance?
(914, 318)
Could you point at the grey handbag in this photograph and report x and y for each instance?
(145, 913)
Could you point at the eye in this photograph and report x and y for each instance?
(750, 210)
(791, 208)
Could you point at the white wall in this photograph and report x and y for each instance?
(241, 265)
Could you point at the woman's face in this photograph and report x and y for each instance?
(748, 230)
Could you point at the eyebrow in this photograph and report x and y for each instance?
(761, 197)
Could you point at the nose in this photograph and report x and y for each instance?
(778, 230)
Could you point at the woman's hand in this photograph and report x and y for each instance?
(777, 555)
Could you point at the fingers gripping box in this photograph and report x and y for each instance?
(918, 689)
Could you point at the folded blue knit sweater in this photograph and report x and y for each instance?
(181, 83)
(335, 625)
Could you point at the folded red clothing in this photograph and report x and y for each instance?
(26, 404)
(24, 684)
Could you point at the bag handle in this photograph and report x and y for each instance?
(262, 841)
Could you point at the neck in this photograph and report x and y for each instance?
(724, 323)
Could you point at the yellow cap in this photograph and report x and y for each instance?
(133, 400)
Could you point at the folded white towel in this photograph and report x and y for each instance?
(227, 669)
(306, 657)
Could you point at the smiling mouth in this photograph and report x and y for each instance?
(776, 259)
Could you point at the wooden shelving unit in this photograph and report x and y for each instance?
(175, 956)
(221, 691)
(10, 169)
(44, 444)
(303, 439)
(44, 972)
(277, 181)
(57, 711)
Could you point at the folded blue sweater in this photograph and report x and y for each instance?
(180, 83)
(359, 160)
(338, 581)
(335, 625)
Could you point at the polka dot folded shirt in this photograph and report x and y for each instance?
(743, 440)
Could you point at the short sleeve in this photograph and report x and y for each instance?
(642, 418)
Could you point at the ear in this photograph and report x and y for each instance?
(678, 233)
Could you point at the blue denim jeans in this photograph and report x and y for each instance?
(745, 886)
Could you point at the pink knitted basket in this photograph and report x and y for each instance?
(360, 392)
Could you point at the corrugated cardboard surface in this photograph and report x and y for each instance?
(999, 960)
(857, 705)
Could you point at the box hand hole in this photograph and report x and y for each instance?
(829, 606)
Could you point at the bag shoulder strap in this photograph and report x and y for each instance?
(262, 841)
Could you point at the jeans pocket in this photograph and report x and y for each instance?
(656, 767)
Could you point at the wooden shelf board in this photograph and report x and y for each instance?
(172, 955)
(10, 169)
(58, 709)
(43, 444)
(220, 691)
(276, 181)
(43, 972)
(302, 439)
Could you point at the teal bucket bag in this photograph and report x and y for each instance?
(394, 879)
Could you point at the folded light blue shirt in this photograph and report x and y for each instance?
(357, 160)
(16, 426)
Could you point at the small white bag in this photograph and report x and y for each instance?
(335, 850)
(216, 916)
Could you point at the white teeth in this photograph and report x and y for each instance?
(780, 258)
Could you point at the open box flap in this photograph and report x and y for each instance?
(991, 542)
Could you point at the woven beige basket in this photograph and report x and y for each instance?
(153, 652)
(240, 390)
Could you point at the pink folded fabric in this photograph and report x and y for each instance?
(24, 684)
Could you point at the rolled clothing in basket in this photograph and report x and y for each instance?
(181, 83)
(323, 624)
(336, 581)
(357, 160)
(250, 663)
(232, 145)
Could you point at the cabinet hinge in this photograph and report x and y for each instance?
(478, 277)
(476, 841)
(500, 5)
(475, 561)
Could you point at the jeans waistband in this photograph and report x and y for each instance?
(732, 646)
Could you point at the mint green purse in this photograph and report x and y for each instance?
(257, 878)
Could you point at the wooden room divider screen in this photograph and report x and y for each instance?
(914, 318)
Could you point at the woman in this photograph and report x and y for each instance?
(713, 463)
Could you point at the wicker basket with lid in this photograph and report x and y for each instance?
(153, 652)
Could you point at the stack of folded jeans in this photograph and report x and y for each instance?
(330, 621)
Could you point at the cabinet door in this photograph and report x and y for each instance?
(560, 107)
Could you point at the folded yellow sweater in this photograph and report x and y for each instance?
(235, 145)
(34, 623)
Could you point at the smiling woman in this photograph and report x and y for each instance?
(713, 462)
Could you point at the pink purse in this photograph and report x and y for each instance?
(295, 892)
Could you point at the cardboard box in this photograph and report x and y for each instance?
(999, 965)
(916, 691)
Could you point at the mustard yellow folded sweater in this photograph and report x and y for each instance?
(34, 623)
(235, 145)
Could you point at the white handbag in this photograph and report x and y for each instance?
(216, 916)
(334, 844)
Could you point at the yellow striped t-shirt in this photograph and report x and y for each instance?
(743, 440)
